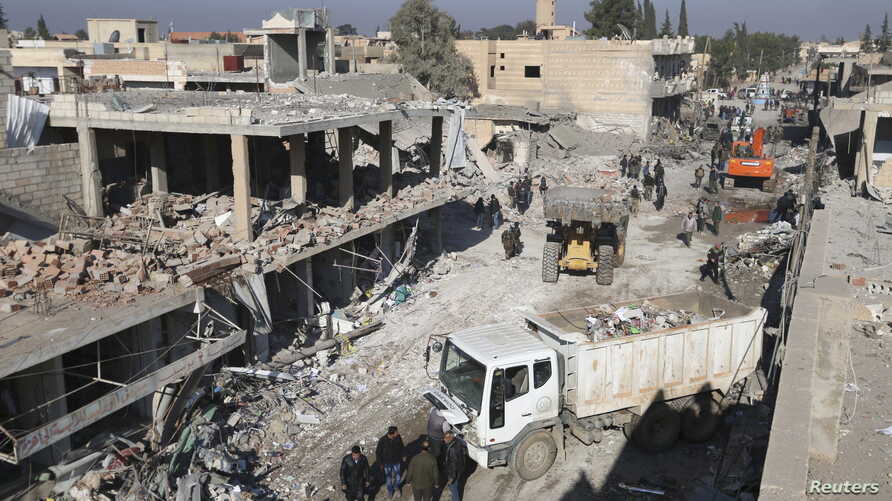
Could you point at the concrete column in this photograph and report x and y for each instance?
(437, 230)
(436, 145)
(297, 156)
(158, 159)
(31, 391)
(385, 151)
(308, 278)
(302, 54)
(345, 168)
(212, 162)
(91, 176)
(330, 51)
(241, 190)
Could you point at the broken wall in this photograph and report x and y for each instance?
(38, 179)
(606, 82)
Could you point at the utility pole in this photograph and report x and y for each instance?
(809, 183)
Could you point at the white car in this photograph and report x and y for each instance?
(719, 93)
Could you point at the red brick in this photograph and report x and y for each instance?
(858, 282)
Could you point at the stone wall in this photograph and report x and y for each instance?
(7, 86)
(36, 180)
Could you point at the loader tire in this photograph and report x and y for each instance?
(700, 418)
(620, 256)
(534, 456)
(550, 255)
(604, 273)
(657, 430)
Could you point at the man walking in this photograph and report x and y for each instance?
(479, 209)
(453, 464)
(646, 170)
(543, 186)
(659, 172)
(508, 242)
(713, 179)
(662, 192)
(391, 452)
(423, 474)
(716, 217)
(701, 215)
(698, 176)
(354, 475)
(648, 188)
(512, 195)
(688, 225)
(711, 268)
(623, 165)
(436, 427)
(635, 196)
(495, 211)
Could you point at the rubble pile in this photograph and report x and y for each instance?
(608, 322)
(774, 239)
(165, 240)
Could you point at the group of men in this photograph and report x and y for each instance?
(520, 192)
(511, 240)
(695, 220)
(439, 465)
(630, 167)
(488, 213)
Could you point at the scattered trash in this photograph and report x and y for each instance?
(885, 431)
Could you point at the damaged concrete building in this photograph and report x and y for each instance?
(611, 84)
(202, 226)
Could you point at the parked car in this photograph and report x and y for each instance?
(718, 93)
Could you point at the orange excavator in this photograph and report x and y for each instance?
(748, 164)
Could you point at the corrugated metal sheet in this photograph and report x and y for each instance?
(25, 120)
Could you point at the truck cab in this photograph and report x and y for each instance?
(498, 383)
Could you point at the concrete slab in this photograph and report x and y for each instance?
(828, 384)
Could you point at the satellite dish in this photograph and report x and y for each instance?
(115, 37)
(625, 32)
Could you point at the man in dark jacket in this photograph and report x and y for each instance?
(495, 211)
(423, 474)
(391, 453)
(659, 172)
(354, 474)
(453, 460)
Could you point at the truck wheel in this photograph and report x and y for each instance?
(604, 273)
(534, 456)
(657, 430)
(620, 256)
(550, 255)
(700, 418)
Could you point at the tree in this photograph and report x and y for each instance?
(501, 32)
(683, 20)
(528, 27)
(427, 50)
(885, 41)
(651, 20)
(605, 15)
(666, 28)
(29, 33)
(81, 34)
(42, 30)
(3, 19)
(346, 29)
(867, 40)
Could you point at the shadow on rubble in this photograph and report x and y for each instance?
(720, 468)
(458, 227)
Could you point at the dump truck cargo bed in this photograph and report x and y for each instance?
(571, 203)
(721, 345)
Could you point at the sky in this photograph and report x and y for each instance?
(807, 18)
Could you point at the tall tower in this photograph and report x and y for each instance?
(545, 14)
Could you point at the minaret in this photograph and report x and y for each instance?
(545, 14)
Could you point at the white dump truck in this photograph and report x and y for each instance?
(653, 367)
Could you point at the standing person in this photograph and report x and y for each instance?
(635, 168)
(512, 194)
(495, 211)
(479, 209)
(701, 215)
(635, 195)
(543, 187)
(453, 464)
(716, 217)
(515, 232)
(688, 225)
(648, 188)
(646, 170)
(528, 189)
(661, 196)
(698, 176)
(624, 165)
(391, 452)
(659, 172)
(423, 474)
(508, 242)
(436, 428)
(713, 179)
(713, 153)
(354, 475)
(711, 268)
